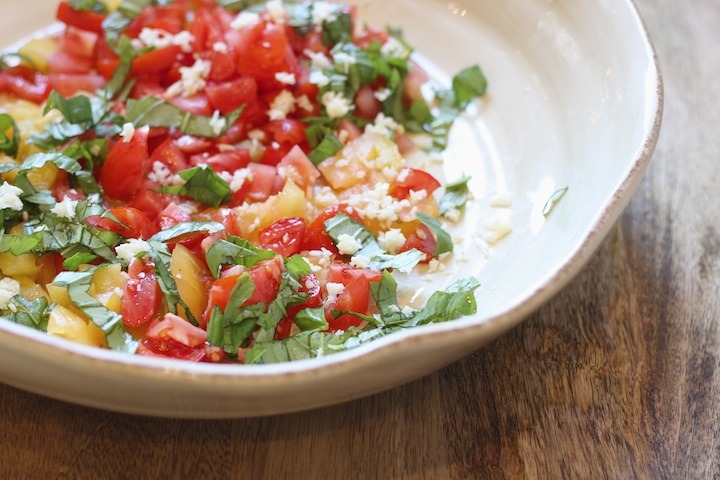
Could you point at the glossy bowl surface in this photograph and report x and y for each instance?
(575, 100)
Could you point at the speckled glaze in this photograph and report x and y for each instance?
(575, 100)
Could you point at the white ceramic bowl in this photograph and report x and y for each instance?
(575, 100)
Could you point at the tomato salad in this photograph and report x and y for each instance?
(222, 181)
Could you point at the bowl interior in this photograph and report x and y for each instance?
(572, 102)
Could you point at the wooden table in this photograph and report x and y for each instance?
(617, 377)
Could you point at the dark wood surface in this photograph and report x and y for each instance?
(617, 377)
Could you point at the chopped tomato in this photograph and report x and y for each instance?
(316, 237)
(70, 84)
(299, 168)
(149, 202)
(262, 60)
(354, 298)
(78, 42)
(287, 131)
(367, 105)
(63, 62)
(284, 237)
(26, 84)
(81, 19)
(156, 61)
(133, 223)
(228, 96)
(266, 278)
(123, 172)
(196, 104)
(172, 215)
(169, 154)
(413, 179)
(229, 161)
(141, 298)
(176, 338)
(275, 152)
(422, 239)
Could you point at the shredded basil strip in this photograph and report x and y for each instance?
(31, 313)
(455, 196)
(328, 147)
(556, 196)
(184, 228)
(234, 251)
(78, 285)
(444, 240)
(161, 258)
(94, 6)
(230, 329)
(159, 113)
(9, 144)
(204, 185)
(116, 22)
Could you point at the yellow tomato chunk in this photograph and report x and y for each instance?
(188, 273)
(67, 324)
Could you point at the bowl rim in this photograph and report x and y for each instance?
(223, 375)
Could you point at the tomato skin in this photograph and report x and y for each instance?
(274, 153)
(265, 275)
(228, 96)
(63, 62)
(148, 202)
(316, 238)
(156, 61)
(137, 224)
(123, 172)
(298, 167)
(230, 161)
(69, 84)
(81, 19)
(422, 239)
(142, 296)
(28, 85)
(413, 179)
(284, 237)
(78, 42)
(196, 104)
(169, 154)
(287, 131)
(262, 60)
(354, 298)
(171, 216)
(174, 337)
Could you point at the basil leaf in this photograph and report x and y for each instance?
(553, 200)
(457, 301)
(327, 148)
(455, 196)
(467, 85)
(78, 285)
(289, 295)
(77, 109)
(31, 313)
(238, 5)
(63, 162)
(231, 329)
(384, 293)
(311, 320)
(403, 262)
(94, 6)
(161, 258)
(184, 228)
(116, 23)
(19, 245)
(203, 185)
(341, 224)
(235, 251)
(9, 145)
(307, 345)
(338, 30)
(444, 240)
(159, 113)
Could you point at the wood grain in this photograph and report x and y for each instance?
(617, 377)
